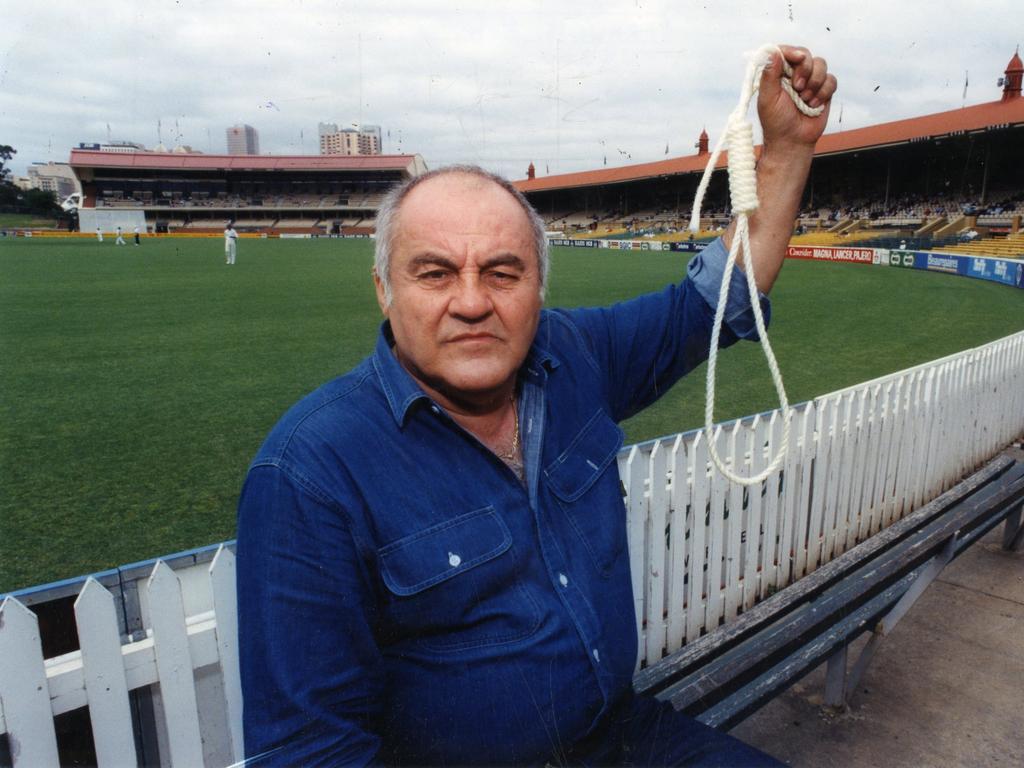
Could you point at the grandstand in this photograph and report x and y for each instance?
(935, 180)
(949, 180)
(168, 192)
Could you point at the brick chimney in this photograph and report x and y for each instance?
(702, 143)
(531, 172)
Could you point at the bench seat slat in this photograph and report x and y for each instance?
(748, 699)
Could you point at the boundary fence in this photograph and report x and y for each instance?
(155, 662)
(992, 268)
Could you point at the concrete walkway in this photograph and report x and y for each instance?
(946, 688)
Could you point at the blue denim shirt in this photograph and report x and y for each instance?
(404, 598)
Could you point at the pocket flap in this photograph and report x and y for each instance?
(587, 456)
(442, 551)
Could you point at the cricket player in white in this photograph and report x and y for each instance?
(230, 241)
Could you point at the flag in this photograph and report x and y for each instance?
(666, 147)
(965, 85)
(840, 114)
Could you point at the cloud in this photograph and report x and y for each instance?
(496, 83)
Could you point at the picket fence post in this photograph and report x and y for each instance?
(225, 607)
(105, 682)
(24, 694)
(174, 667)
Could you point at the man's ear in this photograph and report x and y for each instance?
(381, 300)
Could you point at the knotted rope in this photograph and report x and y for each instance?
(739, 135)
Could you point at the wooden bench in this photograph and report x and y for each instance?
(729, 673)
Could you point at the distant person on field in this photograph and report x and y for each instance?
(120, 239)
(432, 556)
(99, 234)
(136, 231)
(230, 243)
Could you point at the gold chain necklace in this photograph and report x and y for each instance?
(513, 452)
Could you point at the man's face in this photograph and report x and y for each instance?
(465, 283)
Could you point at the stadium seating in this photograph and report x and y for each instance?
(821, 238)
(1010, 246)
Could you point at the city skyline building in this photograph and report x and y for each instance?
(365, 140)
(57, 178)
(123, 147)
(243, 139)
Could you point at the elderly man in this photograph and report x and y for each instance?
(432, 560)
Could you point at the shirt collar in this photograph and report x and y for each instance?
(399, 387)
(402, 391)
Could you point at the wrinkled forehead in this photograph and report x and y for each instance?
(457, 206)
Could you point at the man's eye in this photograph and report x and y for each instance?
(433, 275)
(504, 277)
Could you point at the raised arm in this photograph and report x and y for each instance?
(789, 139)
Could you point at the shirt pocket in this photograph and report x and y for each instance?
(585, 483)
(455, 585)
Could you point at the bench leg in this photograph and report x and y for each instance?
(1013, 533)
(839, 684)
(835, 679)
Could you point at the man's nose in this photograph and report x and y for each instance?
(471, 299)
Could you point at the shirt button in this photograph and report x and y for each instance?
(563, 580)
(597, 656)
(454, 560)
(435, 409)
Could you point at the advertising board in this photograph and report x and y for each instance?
(823, 253)
(574, 243)
(998, 270)
(938, 262)
(688, 247)
(900, 258)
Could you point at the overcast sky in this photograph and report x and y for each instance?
(568, 85)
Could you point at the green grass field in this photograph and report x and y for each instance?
(25, 221)
(138, 382)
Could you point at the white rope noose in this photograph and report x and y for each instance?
(739, 134)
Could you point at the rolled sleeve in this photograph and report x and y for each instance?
(706, 271)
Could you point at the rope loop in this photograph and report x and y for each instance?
(739, 134)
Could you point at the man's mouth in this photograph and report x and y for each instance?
(471, 338)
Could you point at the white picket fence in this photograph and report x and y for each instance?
(185, 659)
(702, 551)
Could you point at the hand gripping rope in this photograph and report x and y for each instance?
(739, 134)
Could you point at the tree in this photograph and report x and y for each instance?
(6, 153)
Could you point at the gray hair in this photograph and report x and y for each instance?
(387, 215)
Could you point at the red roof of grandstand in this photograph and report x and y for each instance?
(996, 114)
(85, 158)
